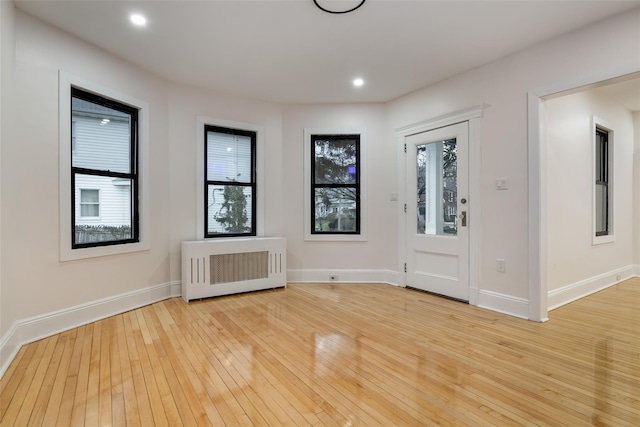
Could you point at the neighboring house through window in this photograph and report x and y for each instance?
(89, 203)
(104, 177)
(73, 136)
(230, 207)
(335, 184)
(335, 179)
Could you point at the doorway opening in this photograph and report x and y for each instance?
(569, 257)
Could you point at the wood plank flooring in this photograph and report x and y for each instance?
(335, 355)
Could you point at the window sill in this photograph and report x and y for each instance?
(600, 240)
(99, 251)
(335, 237)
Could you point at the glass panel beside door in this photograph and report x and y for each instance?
(437, 188)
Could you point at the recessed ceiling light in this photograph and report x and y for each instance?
(358, 82)
(138, 20)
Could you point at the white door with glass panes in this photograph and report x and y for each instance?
(437, 211)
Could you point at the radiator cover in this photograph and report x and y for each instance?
(229, 266)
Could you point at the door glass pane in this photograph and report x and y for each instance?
(437, 188)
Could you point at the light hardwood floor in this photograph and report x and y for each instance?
(336, 355)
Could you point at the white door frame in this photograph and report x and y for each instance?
(473, 116)
(537, 162)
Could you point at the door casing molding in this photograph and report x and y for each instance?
(473, 116)
(537, 178)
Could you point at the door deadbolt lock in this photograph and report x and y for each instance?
(463, 201)
(463, 218)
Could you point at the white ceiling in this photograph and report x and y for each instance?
(289, 51)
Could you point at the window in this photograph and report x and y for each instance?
(602, 183)
(603, 188)
(78, 100)
(335, 184)
(104, 178)
(89, 203)
(335, 179)
(230, 182)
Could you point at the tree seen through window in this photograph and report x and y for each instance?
(335, 184)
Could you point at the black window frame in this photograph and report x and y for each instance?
(133, 174)
(602, 170)
(253, 184)
(356, 185)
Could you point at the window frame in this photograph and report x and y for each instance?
(73, 136)
(309, 194)
(252, 184)
(65, 83)
(599, 126)
(315, 186)
(132, 175)
(201, 122)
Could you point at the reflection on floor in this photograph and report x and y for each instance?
(340, 355)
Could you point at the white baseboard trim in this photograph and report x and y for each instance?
(574, 291)
(507, 304)
(344, 276)
(176, 288)
(35, 328)
(636, 270)
(38, 327)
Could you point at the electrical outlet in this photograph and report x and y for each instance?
(500, 265)
(333, 277)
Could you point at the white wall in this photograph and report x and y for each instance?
(40, 294)
(314, 260)
(569, 138)
(36, 281)
(185, 105)
(7, 64)
(503, 85)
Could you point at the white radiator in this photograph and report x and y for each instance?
(230, 266)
